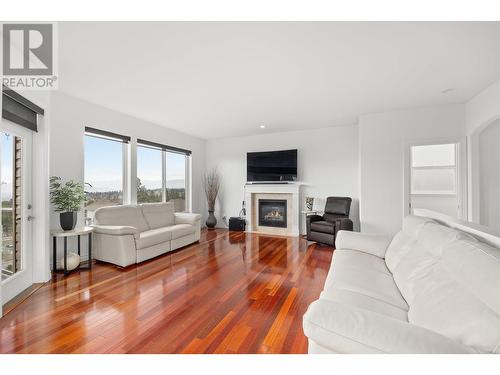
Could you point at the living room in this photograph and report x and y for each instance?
(214, 187)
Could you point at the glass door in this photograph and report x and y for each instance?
(15, 193)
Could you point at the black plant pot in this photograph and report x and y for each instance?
(211, 220)
(68, 220)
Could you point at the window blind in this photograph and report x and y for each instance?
(20, 110)
(177, 150)
(105, 134)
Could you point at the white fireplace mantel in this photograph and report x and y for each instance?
(290, 191)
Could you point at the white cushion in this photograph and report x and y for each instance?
(365, 302)
(128, 215)
(413, 224)
(347, 274)
(413, 270)
(477, 266)
(158, 215)
(153, 237)
(398, 249)
(368, 243)
(181, 230)
(446, 306)
(435, 236)
(347, 329)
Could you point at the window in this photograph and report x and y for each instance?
(162, 174)
(434, 178)
(149, 174)
(7, 193)
(104, 161)
(176, 180)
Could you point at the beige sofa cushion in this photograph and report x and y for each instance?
(181, 230)
(158, 215)
(364, 274)
(153, 237)
(461, 296)
(128, 215)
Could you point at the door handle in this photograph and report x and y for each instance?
(30, 217)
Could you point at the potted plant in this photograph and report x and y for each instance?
(211, 183)
(67, 199)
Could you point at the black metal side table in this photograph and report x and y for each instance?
(70, 233)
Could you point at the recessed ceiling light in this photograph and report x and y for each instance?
(263, 126)
(446, 91)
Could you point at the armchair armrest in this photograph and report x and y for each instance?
(373, 244)
(346, 329)
(187, 218)
(343, 223)
(115, 230)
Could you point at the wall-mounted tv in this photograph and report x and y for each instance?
(272, 166)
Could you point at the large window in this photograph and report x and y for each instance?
(161, 174)
(149, 174)
(104, 158)
(176, 180)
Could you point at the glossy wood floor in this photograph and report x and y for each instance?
(231, 293)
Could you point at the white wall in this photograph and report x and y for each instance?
(489, 176)
(480, 111)
(70, 115)
(383, 139)
(327, 165)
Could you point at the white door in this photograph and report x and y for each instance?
(16, 145)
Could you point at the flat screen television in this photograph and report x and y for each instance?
(272, 166)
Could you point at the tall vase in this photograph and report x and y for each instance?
(211, 220)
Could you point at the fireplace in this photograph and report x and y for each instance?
(272, 213)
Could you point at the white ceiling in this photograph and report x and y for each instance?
(216, 79)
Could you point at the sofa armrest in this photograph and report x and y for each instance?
(346, 329)
(115, 230)
(187, 218)
(368, 243)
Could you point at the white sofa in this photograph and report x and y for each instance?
(125, 235)
(432, 289)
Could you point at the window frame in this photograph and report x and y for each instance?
(125, 142)
(164, 149)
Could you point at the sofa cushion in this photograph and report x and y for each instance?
(323, 227)
(435, 236)
(404, 240)
(413, 270)
(362, 301)
(128, 215)
(158, 215)
(461, 296)
(347, 329)
(413, 224)
(181, 230)
(153, 237)
(370, 278)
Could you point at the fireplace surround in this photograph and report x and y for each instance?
(282, 192)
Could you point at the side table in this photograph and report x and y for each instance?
(305, 214)
(70, 233)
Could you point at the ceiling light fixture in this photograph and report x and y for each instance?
(263, 126)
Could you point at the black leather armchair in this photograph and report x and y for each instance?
(324, 228)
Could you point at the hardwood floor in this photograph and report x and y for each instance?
(231, 293)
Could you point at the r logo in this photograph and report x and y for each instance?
(27, 49)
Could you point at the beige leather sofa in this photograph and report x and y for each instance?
(432, 289)
(125, 235)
